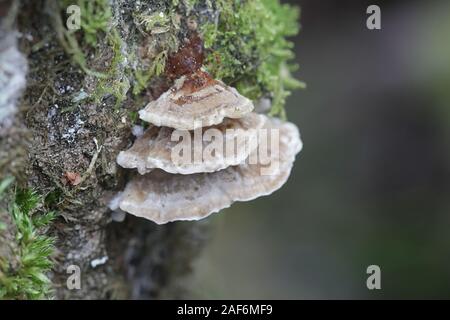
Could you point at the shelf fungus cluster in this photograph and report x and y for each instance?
(205, 148)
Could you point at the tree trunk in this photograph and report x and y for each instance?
(72, 143)
(73, 75)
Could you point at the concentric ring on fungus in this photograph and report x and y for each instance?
(163, 197)
(156, 147)
(196, 101)
(170, 188)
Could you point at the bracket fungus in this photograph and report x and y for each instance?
(227, 152)
(205, 149)
(163, 197)
(195, 101)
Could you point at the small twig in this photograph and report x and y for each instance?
(40, 97)
(92, 164)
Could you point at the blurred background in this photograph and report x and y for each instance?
(371, 185)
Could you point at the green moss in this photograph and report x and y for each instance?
(95, 18)
(27, 279)
(163, 25)
(53, 198)
(246, 45)
(189, 5)
(134, 116)
(141, 80)
(67, 38)
(143, 76)
(116, 82)
(248, 48)
(4, 184)
(157, 22)
(96, 24)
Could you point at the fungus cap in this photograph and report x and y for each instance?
(210, 149)
(163, 197)
(196, 101)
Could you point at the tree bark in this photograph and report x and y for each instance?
(69, 136)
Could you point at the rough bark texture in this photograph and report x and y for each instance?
(12, 130)
(61, 136)
(83, 138)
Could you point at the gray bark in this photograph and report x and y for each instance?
(52, 135)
